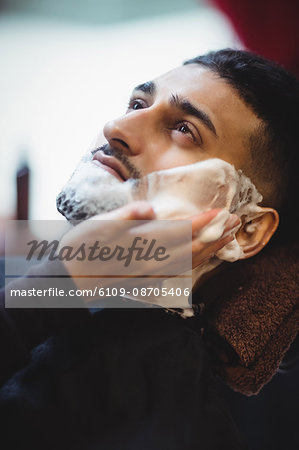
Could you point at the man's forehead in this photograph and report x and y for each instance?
(195, 83)
(182, 73)
(191, 79)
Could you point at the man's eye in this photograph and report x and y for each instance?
(135, 104)
(189, 131)
(183, 128)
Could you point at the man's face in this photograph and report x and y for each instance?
(185, 116)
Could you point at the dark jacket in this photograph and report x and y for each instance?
(119, 379)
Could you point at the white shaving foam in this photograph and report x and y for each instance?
(185, 191)
(214, 229)
(177, 193)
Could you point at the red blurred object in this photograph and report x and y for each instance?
(22, 203)
(23, 176)
(267, 27)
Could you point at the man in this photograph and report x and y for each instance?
(131, 379)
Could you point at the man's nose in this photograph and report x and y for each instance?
(127, 133)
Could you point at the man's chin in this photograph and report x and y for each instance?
(79, 210)
(91, 191)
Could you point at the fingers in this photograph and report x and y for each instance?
(133, 211)
(218, 245)
(232, 222)
(169, 233)
(119, 220)
(201, 220)
(109, 226)
(204, 250)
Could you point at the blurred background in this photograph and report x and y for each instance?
(68, 66)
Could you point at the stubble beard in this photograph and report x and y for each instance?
(92, 190)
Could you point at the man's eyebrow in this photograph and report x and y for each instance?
(187, 107)
(148, 88)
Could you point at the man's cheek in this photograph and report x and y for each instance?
(182, 192)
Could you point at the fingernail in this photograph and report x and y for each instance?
(145, 209)
(232, 222)
(227, 239)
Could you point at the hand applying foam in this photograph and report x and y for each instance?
(212, 231)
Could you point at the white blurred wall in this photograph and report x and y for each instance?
(60, 83)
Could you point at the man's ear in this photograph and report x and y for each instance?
(254, 235)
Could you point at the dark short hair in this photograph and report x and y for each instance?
(272, 93)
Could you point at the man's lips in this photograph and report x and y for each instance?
(111, 164)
